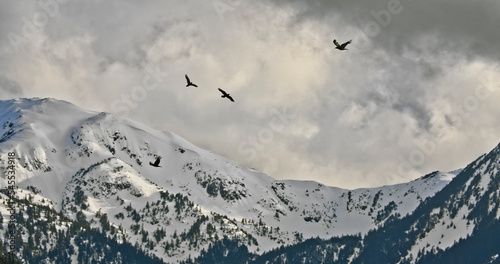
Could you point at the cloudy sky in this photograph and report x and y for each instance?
(416, 92)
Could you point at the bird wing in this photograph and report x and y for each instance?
(222, 91)
(187, 78)
(345, 44)
(157, 161)
(336, 43)
(230, 98)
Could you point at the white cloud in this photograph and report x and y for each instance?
(358, 115)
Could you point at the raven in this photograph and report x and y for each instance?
(226, 95)
(341, 47)
(156, 163)
(189, 83)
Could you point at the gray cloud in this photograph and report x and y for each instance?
(465, 29)
(9, 88)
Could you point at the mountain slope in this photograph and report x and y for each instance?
(460, 210)
(472, 206)
(95, 166)
(460, 224)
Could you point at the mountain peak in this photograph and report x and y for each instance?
(90, 164)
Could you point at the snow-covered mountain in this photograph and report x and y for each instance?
(81, 172)
(459, 224)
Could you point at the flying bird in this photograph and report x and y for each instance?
(156, 163)
(226, 95)
(341, 47)
(189, 83)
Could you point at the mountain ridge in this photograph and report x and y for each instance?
(89, 164)
(460, 224)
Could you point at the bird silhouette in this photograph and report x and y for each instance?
(226, 95)
(156, 163)
(189, 83)
(341, 47)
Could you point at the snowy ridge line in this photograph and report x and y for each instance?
(95, 166)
